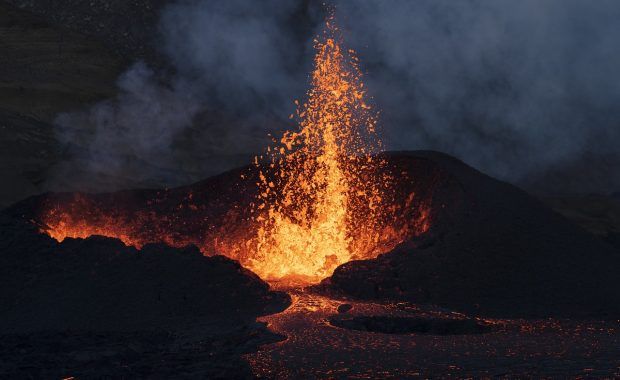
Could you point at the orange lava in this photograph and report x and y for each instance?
(324, 201)
(325, 196)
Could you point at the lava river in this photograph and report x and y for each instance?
(315, 347)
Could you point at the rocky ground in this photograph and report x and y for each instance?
(209, 353)
(322, 343)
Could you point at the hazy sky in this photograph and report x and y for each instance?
(513, 88)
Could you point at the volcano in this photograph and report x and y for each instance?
(487, 249)
(478, 245)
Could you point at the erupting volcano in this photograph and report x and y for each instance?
(321, 196)
(324, 255)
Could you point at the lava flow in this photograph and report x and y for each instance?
(319, 197)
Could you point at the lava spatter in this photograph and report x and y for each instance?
(322, 205)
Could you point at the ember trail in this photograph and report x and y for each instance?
(321, 196)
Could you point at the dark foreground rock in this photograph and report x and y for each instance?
(492, 250)
(95, 307)
(101, 284)
(211, 354)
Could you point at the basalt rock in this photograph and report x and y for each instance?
(491, 250)
(100, 284)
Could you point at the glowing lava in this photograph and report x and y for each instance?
(320, 197)
(327, 209)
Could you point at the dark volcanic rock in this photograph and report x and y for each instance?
(99, 284)
(409, 325)
(492, 250)
(125, 355)
(93, 308)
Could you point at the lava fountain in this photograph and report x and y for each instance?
(320, 196)
(331, 185)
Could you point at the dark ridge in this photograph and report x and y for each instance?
(99, 284)
(492, 250)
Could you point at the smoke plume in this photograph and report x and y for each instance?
(518, 89)
(515, 88)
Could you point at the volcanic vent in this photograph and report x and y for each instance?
(321, 196)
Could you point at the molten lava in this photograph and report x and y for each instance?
(321, 196)
(327, 209)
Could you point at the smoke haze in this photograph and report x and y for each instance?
(512, 87)
(517, 89)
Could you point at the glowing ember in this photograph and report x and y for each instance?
(327, 209)
(319, 198)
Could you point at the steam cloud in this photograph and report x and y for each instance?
(515, 88)
(140, 124)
